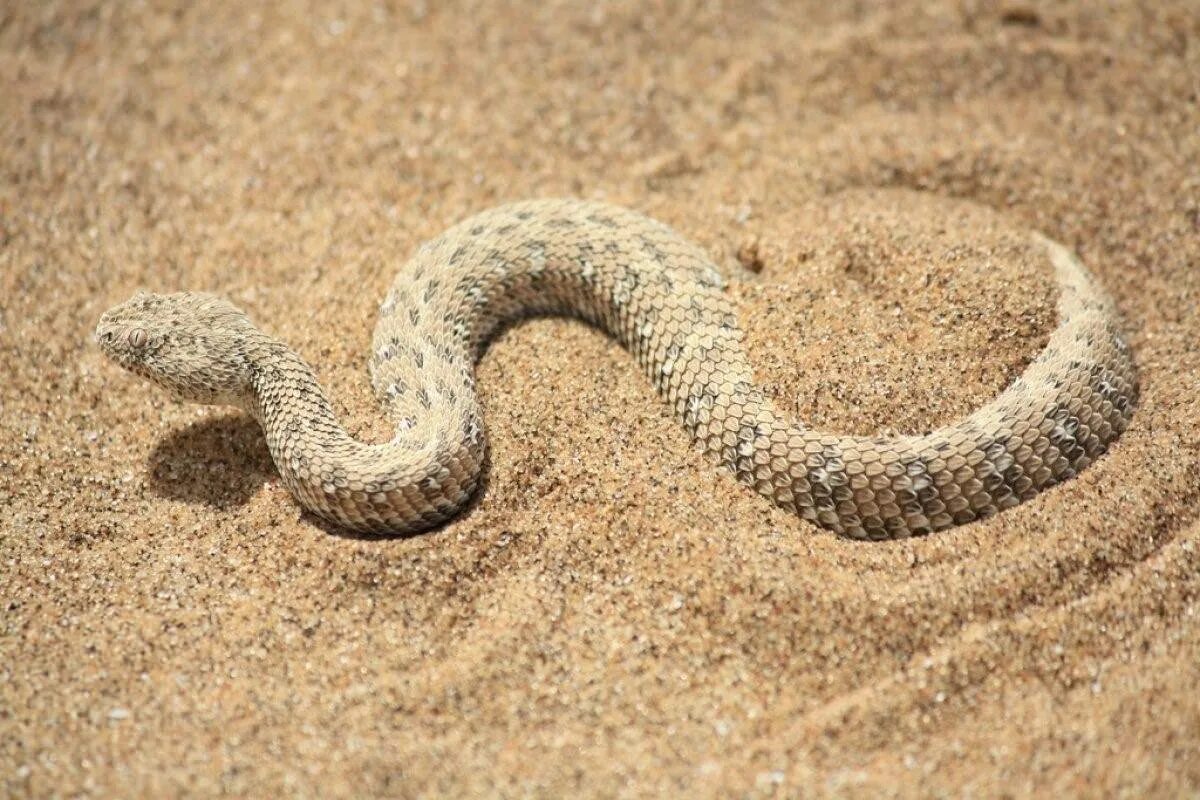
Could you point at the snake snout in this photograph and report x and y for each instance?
(107, 334)
(117, 341)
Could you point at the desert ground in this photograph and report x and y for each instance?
(613, 616)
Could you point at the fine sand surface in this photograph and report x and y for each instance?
(614, 616)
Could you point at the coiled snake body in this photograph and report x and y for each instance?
(662, 298)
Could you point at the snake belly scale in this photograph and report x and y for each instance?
(663, 298)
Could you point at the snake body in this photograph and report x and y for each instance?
(662, 297)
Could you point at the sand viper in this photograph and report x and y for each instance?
(662, 298)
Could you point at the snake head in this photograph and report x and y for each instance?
(196, 346)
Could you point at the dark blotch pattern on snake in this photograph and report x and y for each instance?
(662, 298)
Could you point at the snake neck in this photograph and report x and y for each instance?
(286, 394)
(386, 487)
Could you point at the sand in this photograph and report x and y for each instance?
(614, 617)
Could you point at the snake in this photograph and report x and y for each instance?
(664, 299)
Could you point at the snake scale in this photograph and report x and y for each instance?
(662, 297)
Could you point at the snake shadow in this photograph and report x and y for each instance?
(221, 462)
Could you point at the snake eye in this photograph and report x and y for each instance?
(137, 337)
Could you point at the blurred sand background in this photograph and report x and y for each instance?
(613, 617)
